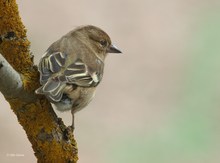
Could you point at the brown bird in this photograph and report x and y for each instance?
(72, 67)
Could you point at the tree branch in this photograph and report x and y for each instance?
(11, 83)
(49, 137)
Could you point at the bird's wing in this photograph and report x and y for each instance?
(53, 82)
(80, 74)
(49, 65)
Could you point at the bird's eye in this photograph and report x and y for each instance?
(103, 42)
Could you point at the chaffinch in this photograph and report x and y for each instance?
(72, 67)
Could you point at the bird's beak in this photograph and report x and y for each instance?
(113, 49)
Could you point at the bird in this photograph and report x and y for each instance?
(72, 67)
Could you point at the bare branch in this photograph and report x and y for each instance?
(11, 84)
(10, 81)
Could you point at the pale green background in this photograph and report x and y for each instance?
(159, 102)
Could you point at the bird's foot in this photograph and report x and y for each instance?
(70, 128)
(68, 132)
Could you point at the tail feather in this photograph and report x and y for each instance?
(53, 90)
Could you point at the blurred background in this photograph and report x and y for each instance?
(159, 101)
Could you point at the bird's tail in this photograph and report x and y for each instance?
(52, 89)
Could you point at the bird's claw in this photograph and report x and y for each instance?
(70, 128)
(68, 132)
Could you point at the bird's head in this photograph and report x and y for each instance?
(98, 40)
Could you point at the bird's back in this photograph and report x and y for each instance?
(77, 65)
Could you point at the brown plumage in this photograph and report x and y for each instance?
(73, 66)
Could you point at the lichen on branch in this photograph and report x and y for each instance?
(50, 139)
